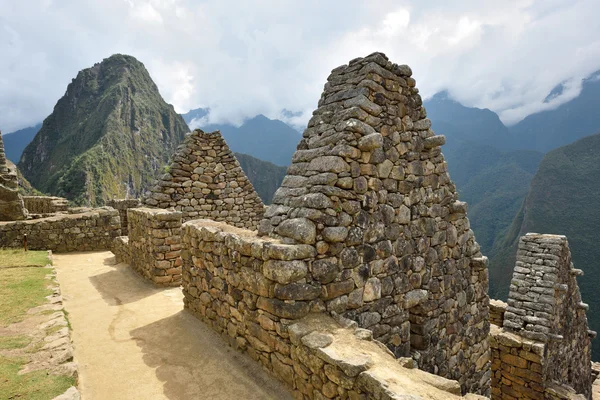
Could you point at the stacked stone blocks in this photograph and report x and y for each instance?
(369, 189)
(543, 350)
(153, 247)
(254, 291)
(46, 204)
(122, 205)
(205, 180)
(92, 230)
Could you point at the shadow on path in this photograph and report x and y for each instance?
(192, 361)
(121, 285)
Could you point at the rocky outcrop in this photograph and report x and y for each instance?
(206, 181)
(369, 189)
(11, 202)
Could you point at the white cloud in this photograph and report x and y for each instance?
(241, 58)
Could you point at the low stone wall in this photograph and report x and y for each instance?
(497, 310)
(45, 204)
(154, 245)
(517, 371)
(93, 230)
(122, 205)
(253, 290)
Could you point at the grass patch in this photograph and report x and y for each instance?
(36, 385)
(14, 342)
(21, 258)
(20, 290)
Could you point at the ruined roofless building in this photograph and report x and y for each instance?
(205, 180)
(11, 202)
(369, 188)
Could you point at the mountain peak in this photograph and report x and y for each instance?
(110, 111)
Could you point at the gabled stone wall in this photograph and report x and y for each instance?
(369, 188)
(545, 308)
(205, 180)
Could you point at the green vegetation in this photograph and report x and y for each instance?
(20, 290)
(108, 135)
(265, 176)
(494, 184)
(36, 385)
(564, 198)
(21, 258)
(14, 342)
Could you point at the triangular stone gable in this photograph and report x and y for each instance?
(544, 305)
(205, 180)
(11, 202)
(369, 188)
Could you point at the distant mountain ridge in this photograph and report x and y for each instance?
(564, 198)
(15, 142)
(267, 139)
(107, 136)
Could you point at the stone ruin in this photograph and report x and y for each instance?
(363, 269)
(543, 350)
(205, 180)
(12, 207)
(369, 188)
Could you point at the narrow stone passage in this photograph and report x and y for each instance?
(133, 341)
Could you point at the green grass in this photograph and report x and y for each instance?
(37, 385)
(14, 342)
(20, 258)
(20, 290)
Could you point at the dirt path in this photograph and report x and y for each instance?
(133, 341)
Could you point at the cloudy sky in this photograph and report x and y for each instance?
(244, 57)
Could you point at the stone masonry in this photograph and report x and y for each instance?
(153, 246)
(122, 205)
(544, 313)
(369, 189)
(91, 230)
(253, 290)
(205, 180)
(11, 202)
(45, 204)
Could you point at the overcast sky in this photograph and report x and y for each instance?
(244, 57)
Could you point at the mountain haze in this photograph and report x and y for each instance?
(267, 139)
(564, 199)
(15, 142)
(107, 136)
(570, 121)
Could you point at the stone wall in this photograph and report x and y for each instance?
(45, 204)
(369, 189)
(543, 350)
(122, 205)
(153, 246)
(497, 310)
(92, 230)
(11, 202)
(254, 291)
(205, 180)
